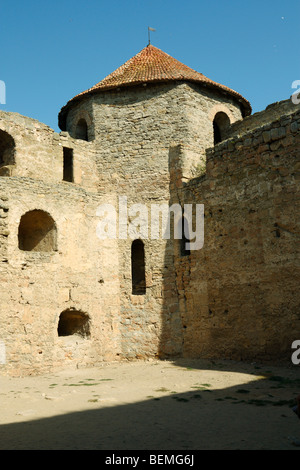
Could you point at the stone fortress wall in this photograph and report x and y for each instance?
(240, 293)
(134, 133)
(68, 272)
(68, 297)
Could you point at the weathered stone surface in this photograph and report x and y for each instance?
(238, 297)
(249, 266)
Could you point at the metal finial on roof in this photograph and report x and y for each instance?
(150, 29)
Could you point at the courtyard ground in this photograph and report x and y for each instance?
(153, 405)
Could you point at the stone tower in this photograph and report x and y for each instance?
(150, 123)
(153, 132)
(153, 97)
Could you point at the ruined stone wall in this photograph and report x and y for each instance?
(257, 120)
(239, 295)
(79, 274)
(39, 152)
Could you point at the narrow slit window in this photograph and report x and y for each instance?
(185, 238)
(138, 268)
(68, 174)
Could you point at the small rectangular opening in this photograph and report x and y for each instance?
(138, 268)
(184, 238)
(68, 165)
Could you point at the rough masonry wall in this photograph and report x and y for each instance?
(135, 128)
(202, 105)
(39, 152)
(80, 274)
(135, 132)
(273, 112)
(239, 295)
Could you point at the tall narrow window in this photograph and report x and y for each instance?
(138, 268)
(185, 238)
(221, 124)
(68, 165)
(217, 133)
(81, 131)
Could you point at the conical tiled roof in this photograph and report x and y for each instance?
(151, 65)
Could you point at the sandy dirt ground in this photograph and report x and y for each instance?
(153, 405)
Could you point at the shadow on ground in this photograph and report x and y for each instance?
(256, 415)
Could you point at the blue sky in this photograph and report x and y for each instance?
(50, 51)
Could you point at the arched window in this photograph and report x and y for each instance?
(81, 131)
(138, 268)
(37, 232)
(221, 124)
(7, 149)
(72, 322)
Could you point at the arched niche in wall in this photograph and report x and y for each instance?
(138, 275)
(37, 232)
(221, 124)
(7, 149)
(80, 125)
(81, 130)
(73, 322)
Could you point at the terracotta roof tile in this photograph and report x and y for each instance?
(151, 65)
